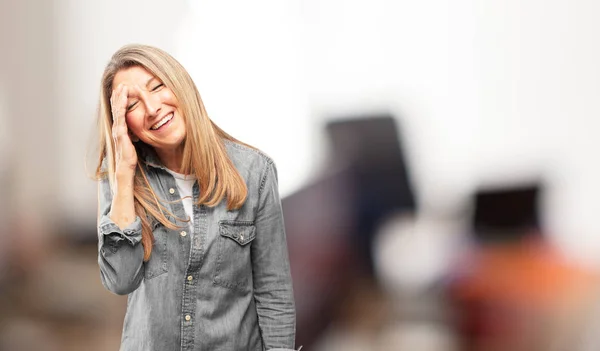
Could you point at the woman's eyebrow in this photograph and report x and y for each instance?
(133, 94)
(150, 81)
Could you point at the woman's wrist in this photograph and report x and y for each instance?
(122, 207)
(124, 176)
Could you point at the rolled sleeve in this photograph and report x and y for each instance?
(120, 253)
(110, 232)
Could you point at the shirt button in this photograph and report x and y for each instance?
(171, 191)
(190, 278)
(187, 317)
(183, 233)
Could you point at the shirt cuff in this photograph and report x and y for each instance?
(110, 230)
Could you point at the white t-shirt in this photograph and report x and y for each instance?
(185, 184)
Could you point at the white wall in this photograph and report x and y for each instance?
(247, 61)
(486, 91)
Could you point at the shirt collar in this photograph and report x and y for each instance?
(149, 157)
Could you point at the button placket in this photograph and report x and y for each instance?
(190, 293)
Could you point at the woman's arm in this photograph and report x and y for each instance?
(273, 291)
(120, 253)
(119, 229)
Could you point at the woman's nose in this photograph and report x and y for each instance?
(153, 104)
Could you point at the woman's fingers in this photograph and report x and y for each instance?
(119, 106)
(124, 149)
(114, 100)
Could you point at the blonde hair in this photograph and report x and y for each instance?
(204, 153)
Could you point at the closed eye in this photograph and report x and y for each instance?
(131, 106)
(158, 87)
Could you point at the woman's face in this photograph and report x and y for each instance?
(152, 111)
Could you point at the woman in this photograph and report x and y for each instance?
(190, 223)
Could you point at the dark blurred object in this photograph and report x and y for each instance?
(506, 214)
(513, 290)
(370, 148)
(318, 222)
(331, 222)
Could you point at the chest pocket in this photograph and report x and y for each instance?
(234, 266)
(157, 264)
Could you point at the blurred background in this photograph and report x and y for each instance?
(437, 163)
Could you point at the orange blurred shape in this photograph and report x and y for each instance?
(531, 272)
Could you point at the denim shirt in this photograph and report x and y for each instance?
(224, 284)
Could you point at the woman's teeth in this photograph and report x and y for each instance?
(159, 124)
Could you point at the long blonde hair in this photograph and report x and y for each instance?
(204, 153)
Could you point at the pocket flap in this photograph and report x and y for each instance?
(240, 232)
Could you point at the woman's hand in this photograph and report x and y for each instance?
(125, 153)
(122, 208)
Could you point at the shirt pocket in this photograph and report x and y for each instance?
(234, 265)
(157, 264)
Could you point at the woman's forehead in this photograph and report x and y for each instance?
(133, 76)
